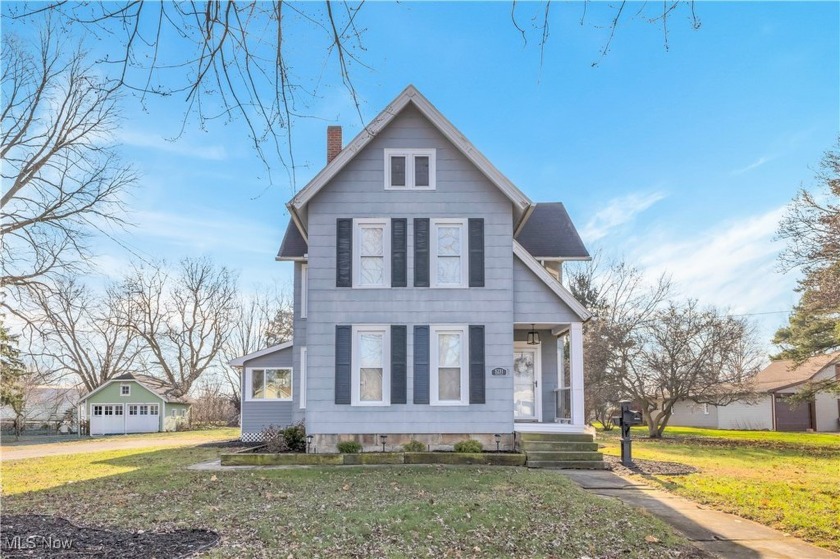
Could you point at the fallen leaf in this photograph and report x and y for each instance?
(651, 539)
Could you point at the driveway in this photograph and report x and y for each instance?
(114, 442)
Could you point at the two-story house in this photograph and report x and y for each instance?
(427, 298)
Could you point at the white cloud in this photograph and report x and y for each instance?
(177, 147)
(754, 165)
(618, 211)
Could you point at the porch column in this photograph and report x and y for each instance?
(576, 371)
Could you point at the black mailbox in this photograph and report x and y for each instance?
(625, 420)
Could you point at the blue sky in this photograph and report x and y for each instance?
(680, 160)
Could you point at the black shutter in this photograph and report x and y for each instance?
(399, 252)
(476, 242)
(398, 364)
(476, 364)
(421, 364)
(343, 355)
(421, 252)
(344, 253)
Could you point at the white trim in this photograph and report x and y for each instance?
(408, 95)
(410, 154)
(531, 427)
(355, 373)
(433, 256)
(538, 378)
(303, 373)
(125, 385)
(358, 225)
(550, 281)
(240, 361)
(249, 385)
(304, 289)
(434, 378)
(576, 371)
(113, 380)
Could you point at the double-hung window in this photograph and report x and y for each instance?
(449, 371)
(270, 384)
(371, 253)
(371, 370)
(449, 260)
(410, 169)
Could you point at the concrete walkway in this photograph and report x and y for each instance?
(719, 533)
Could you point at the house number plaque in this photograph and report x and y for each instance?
(499, 372)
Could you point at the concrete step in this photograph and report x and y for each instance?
(563, 456)
(573, 465)
(537, 446)
(555, 437)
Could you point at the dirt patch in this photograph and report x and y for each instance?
(650, 467)
(32, 535)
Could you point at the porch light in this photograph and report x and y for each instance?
(533, 336)
(383, 439)
(498, 438)
(308, 442)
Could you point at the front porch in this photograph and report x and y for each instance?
(548, 378)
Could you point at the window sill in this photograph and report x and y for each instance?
(450, 404)
(268, 399)
(370, 404)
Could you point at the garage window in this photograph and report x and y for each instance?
(144, 409)
(109, 410)
(132, 410)
(118, 410)
(153, 409)
(125, 390)
(97, 410)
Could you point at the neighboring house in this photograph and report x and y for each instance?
(427, 298)
(771, 410)
(133, 404)
(45, 405)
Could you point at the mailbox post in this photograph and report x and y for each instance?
(626, 419)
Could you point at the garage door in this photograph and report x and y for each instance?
(106, 419)
(793, 418)
(142, 418)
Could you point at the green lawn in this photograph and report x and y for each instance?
(790, 481)
(402, 511)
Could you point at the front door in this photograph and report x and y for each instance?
(526, 382)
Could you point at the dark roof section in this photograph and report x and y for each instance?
(550, 233)
(293, 245)
(126, 376)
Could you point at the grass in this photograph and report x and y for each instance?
(394, 511)
(790, 481)
(10, 445)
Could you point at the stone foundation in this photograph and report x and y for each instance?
(432, 441)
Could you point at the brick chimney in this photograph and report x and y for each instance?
(333, 142)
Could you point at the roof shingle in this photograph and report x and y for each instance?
(550, 233)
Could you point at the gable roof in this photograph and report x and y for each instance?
(551, 282)
(521, 203)
(240, 361)
(549, 234)
(785, 374)
(293, 247)
(152, 384)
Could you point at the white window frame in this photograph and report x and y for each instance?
(303, 358)
(304, 289)
(249, 385)
(433, 248)
(94, 410)
(154, 409)
(358, 225)
(355, 369)
(410, 154)
(705, 409)
(133, 409)
(434, 376)
(127, 392)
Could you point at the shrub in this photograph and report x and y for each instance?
(468, 445)
(349, 447)
(274, 440)
(414, 446)
(295, 436)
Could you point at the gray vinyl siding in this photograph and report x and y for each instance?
(299, 328)
(258, 415)
(534, 301)
(358, 191)
(548, 358)
(689, 414)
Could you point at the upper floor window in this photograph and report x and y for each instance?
(448, 250)
(409, 169)
(125, 390)
(371, 253)
(371, 375)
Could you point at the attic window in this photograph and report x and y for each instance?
(410, 169)
(125, 390)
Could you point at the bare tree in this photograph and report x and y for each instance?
(212, 404)
(61, 176)
(689, 353)
(79, 334)
(262, 318)
(183, 320)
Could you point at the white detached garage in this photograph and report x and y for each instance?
(133, 404)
